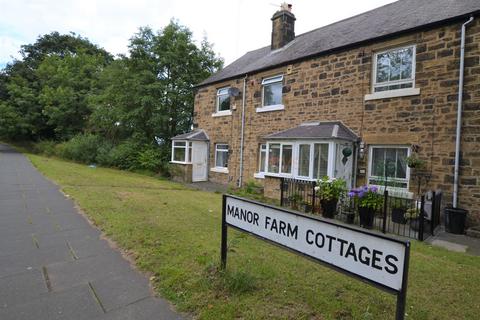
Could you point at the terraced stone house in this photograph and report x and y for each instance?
(345, 99)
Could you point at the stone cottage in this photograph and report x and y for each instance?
(345, 100)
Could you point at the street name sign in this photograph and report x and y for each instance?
(371, 257)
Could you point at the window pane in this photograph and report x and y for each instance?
(395, 65)
(383, 67)
(304, 160)
(401, 163)
(287, 159)
(222, 147)
(272, 94)
(274, 158)
(223, 102)
(320, 161)
(378, 162)
(179, 154)
(390, 162)
(407, 63)
(222, 91)
(261, 158)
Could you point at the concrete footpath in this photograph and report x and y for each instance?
(53, 263)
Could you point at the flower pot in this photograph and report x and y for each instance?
(414, 224)
(398, 215)
(366, 216)
(329, 207)
(350, 218)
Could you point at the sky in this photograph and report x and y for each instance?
(234, 27)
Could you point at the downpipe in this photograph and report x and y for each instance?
(459, 114)
(240, 179)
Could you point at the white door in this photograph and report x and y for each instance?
(199, 161)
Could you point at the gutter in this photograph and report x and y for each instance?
(240, 179)
(459, 114)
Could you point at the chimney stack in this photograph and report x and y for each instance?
(283, 26)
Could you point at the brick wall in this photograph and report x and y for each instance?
(332, 87)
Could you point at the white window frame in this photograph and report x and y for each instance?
(275, 107)
(393, 92)
(396, 190)
(188, 150)
(296, 157)
(221, 113)
(261, 174)
(215, 167)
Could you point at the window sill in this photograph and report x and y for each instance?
(259, 175)
(180, 162)
(393, 94)
(219, 169)
(395, 192)
(276, 107)
(278, 175)
(224, 113)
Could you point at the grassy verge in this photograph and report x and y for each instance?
(174, 233)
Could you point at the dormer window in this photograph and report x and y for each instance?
(394, 69)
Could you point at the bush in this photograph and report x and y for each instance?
(45, 147)
(149, 159)
(124, 155)
(81, 148)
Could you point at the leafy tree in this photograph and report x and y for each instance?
(23, 109)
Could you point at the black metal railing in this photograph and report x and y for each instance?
(397, 215)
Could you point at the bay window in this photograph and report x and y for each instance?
(299, 159)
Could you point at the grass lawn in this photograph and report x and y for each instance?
(174, 233)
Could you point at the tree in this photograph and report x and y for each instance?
(150, 94)
(22, 91)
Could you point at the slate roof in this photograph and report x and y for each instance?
(316, 130)
(386, 21)
(195, 135)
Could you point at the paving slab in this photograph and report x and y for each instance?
(54, 264)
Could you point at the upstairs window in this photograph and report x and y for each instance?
(394, 69)
(272, 91)
(223, 99)
(221, 155)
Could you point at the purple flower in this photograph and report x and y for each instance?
(361, 194)
(374, 189)
(351, 194)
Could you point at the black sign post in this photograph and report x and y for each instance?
(259, 215)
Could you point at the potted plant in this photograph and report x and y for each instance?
(414, 162)
(294, 200)
(306, 206)
(329, 191)
(368, 201)
(413, 215)
(398, 212)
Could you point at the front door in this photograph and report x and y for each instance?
(344, 165)
(199, 161)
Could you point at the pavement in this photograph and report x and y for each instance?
(54, 264)
(455, 242)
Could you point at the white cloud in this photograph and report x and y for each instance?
(234, 27)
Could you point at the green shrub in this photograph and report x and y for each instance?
(149, 159)
(124, 156)
(45, 147)
(81, 148)
(104, 154)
